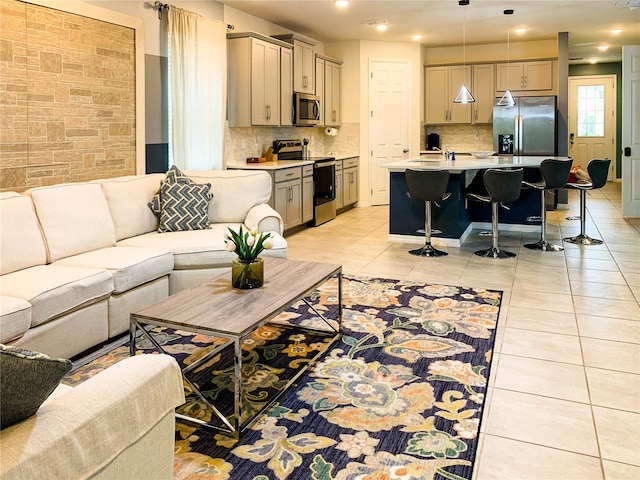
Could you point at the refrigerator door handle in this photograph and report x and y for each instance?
(518, 135)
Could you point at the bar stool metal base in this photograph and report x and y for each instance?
(583, 240)
(544, 246)
(493, 252)
(428, 251)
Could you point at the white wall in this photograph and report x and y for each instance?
(155, 38)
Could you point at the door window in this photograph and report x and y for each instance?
(590, 110)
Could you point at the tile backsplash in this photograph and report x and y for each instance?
(461, 138)
(241, 143)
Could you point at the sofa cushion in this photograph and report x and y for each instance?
(234, 192)
(53, 290)
(129, 266)
(75, 218)
(21, 242)
(128, 198)
(15, 317)
(184, 207)
(197, 249)
(28, 378)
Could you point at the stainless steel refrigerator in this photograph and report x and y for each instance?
(527, 128)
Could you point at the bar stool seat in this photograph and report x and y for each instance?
(427, 186)
(555, 174)
(598, 169)
(503, 186)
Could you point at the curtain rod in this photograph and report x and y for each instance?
(165, 6)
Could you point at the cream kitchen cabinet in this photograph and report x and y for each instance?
(349, 181)
(483, 89)
(525, 76)
(304, 62)
(254, 73)
(320, 86)
(338, 185)
(332, 72)
(307, 193)
(287, 195)
(328, 73)
(286, 86)
(442, 84)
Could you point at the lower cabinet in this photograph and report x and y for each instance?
(287, 195)
(338, 184)
(307, 193)
(349, 181)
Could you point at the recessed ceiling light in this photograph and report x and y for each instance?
(603, 48)
(381, 27)
(416, 36)
(341, 3)
(520, 29)
(593, 61)
(616, 31)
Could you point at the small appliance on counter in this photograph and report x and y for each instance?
(433, 142)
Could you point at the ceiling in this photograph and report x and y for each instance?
(441, 22)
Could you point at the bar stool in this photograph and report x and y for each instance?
(427, 186)
(598, 169)
(555, 174)
(503, 186)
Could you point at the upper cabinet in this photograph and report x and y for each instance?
(304, 62)
(328, 72)
(255, 88)
(320, 86)
(286, 86)
(483, 89)
(442, 84)
(525, 76)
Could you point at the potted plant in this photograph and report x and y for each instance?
(247, 269)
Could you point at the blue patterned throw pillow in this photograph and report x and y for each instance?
(184, 207)
(26, 380)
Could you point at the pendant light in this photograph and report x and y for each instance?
(507, 98)
(464, 95)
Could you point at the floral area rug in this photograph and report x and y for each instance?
(399, 396)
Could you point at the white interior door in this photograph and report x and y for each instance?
(592, 120)
(631, 131)
(389, 131)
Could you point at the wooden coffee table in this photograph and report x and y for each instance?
(216, 309)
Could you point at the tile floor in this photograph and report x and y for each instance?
(564, 400)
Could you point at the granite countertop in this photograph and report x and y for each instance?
(280, 164)
(343, 156)
(465, 162)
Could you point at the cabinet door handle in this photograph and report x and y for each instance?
(525, 81)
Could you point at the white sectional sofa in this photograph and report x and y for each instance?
(76, 259)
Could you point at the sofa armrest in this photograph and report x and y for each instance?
(265, 218)
(76, 434)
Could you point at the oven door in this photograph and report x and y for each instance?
(324, 196)
(324, 175)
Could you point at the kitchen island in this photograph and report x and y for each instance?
(457, 216)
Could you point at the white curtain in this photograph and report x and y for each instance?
(197, 90)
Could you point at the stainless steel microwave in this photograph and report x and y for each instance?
(306, 109)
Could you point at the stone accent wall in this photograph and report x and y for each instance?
(67, 97)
